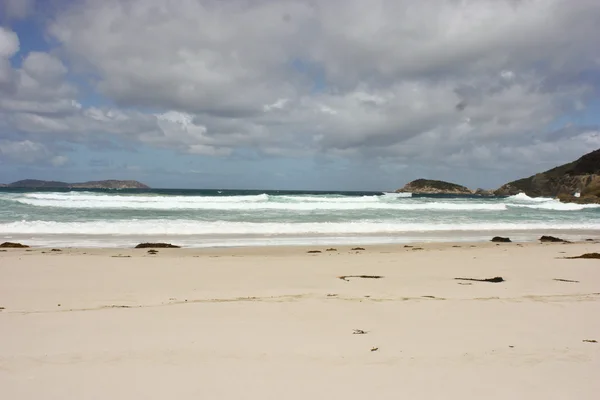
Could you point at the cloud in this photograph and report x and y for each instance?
(455, 83)
(16, 9)
(28, 152)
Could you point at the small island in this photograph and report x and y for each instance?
(429, 186)
(106, 184)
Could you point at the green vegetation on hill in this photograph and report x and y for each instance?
(580, 176)
(430, 183)
(433, 186)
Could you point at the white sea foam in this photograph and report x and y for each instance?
(185, 227)
(522, 197)
(388, 201)
(521, 200)
(396, 195)
(323, 199)
(85, 197)
(169, 203)
(557, 206)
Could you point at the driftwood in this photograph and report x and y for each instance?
(497, 279)
(565, 280)
(345, 277)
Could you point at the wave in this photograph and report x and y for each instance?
(396, 195)
(522, 197)
(170, 204)
(388, 201)
(557, 206)
(521, 200)
(142, 198)
(186, 227)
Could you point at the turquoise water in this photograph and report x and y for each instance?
(120, 218)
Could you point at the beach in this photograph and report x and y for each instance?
(280, 323)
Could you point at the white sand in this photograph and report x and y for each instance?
(277, 323)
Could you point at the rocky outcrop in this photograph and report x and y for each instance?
(12, 245)
(483, 192)
(108, 184)
(581, 176)
(157, 245)
(428, 186)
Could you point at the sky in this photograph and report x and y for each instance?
(296, 94)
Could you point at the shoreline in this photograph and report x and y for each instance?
(228, 241)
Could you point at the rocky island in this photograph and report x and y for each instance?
(107, 184)
(577, 181)
(428, 186)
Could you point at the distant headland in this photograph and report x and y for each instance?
(577, 182)
(107, 184)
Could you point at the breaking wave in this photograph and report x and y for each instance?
(387, 201)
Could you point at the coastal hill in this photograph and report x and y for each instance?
(428, 186)
(580, 176)
(108, 184)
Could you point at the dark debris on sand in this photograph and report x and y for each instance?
(565, 280)
(357, 248)
(497, 279)
(553, 239)
(157, 245)
(313, 251)
(11, 245)
(345, 277)
(500, 239)
(586, 255)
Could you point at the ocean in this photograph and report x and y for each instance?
(218, 218)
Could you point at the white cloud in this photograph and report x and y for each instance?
(58, 161)
(398, 81)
